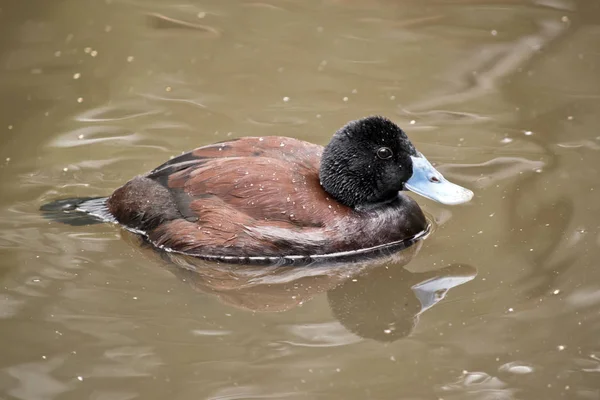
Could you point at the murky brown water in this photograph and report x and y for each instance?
(504, 96)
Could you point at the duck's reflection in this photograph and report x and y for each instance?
(385, 303)
(375, 298)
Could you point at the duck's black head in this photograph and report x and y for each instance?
(370, 160)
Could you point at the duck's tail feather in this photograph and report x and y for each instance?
(78, 211)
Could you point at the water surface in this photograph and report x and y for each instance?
(501, 301)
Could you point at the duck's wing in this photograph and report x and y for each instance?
(275, 147)
(256, 195)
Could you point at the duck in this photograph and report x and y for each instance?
(274, 197)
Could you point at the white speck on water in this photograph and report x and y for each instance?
(561, 347)
(387, 331)
(506, 140)
(80, 100)
(43, 357)
(107, 28)
(130, 59)
(318, 115)
(338, 370)
(494, 32)
(80, 378)
(538, 170)
(412, 122)
(392, 98)
(36, 280)
(511, 309)
(57, 53)
(492, 214)
(392, 358)
(345, 99)
(87, 50)
(570, 118)
(7, 159)
(94, 53)
(557, 291)
(354, 91)
(80, 136)
(135, 297)
(528, 133)
(530, 249)
(565, 19)
(168, 89)
(201, 14)
(76, 75)
(286, 99)
(65, 169)
(10, 127)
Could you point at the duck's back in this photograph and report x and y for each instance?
(253, 197)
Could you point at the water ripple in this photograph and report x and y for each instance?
(327, 334)
(116, 112)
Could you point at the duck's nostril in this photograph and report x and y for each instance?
(434, 179)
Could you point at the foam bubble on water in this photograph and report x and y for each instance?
(517, 368)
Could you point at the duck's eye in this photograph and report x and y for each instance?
(384, 153)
